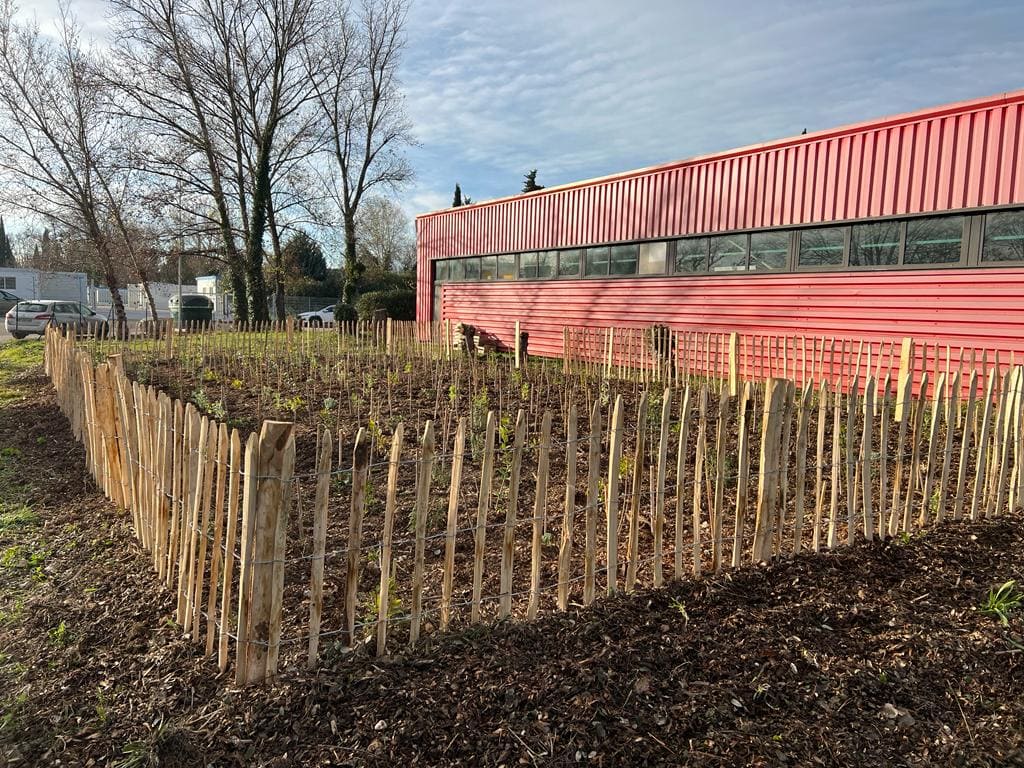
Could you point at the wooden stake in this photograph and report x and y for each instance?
(360, 473)
(424, 473)
(658, 513)
(483, 507)
(384, 589)
(539, 507)
(316, 575)
(742, 475)
(511, 515)
(612, 504)
(569, 513)
(593, 500)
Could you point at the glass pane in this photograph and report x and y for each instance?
(692, 255)
(768, 251)
(456, 269)
(488, 267)
(546, 261)
(728, 253)
(472, 269)
(527, 266)
(821, 247)
(624, 259)
(507, 266)
(569, 263)
(1004, 237)
(875, 245)
(597, 261)
(652, 258)
(440, 270)
(934, 241)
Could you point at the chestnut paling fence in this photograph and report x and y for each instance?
(399, 537)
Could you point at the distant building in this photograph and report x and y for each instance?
(906, 225)
(36, 284)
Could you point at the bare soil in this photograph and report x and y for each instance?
(871, 655)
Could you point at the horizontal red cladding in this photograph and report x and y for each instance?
(979, 309)
(960, 155)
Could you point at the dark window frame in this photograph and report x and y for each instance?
(980, 224)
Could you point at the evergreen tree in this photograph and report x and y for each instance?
(530, 183)
(6, 253)
(303, 253)
(457, 200)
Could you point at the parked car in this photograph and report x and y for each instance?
(319, 318)
(7, 300)
(27, 317)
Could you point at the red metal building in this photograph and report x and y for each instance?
(907, 225)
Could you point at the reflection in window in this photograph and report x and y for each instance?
(528, 266)
(472, 269)
(692, 255)
(934, 241)
(1004, 237)
(507, 266)
(569, 263)
(875, 245)
(768, 251)
(822, 247)
(652, 258)
(456, 269)
(440, 271)
(728, 253)
(624, 259)
(546, 261)
(488, 267)
(597, 261)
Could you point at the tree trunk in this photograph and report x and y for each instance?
(275, 239)
(350, 288)
(144, 279)
(120, 319)
(254, 251)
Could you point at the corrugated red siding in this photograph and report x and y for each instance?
(980, 309)
(959, 156)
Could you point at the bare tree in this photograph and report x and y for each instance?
(362, 105)
(385, 235)
(213, 81)
(54, 134)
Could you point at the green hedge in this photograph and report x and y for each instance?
(344, 313)
(399, 303)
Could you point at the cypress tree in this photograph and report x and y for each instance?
(530, 182)
(457, 200)
(6, 253)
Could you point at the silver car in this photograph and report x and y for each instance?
(33, 316)
(317, 319)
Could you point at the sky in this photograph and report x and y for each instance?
(578, 88)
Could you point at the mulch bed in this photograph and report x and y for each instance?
(872, 655)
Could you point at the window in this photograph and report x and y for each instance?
(624, 259)
(546, 262)
(472, 269)
(456, 269)
(597, 261)
(769, 251)
(10, 283)
(569, 263)
(507, 266)
(528, 266)
(488, 267)
(28, 306)
(728, 253)
(440, 271)
(652, 258)
(934, 241)
(1004, 237)
(692, 255)
(822, 247)
(875, 245)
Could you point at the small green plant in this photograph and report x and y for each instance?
(680, 606)
(1003, 601)
(236, 383)
(210, 375)
(453, 393)
(59, 635)
(547, 539)
(371, 607)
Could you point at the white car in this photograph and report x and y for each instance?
(27, 317)
(318, 319)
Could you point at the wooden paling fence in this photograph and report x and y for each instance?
(395, 538)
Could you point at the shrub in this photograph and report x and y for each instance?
(400, 304)
(345, 313)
